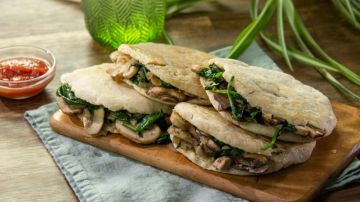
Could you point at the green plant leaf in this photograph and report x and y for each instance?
(167, 38)
(319, 65)
(349, 11)
(312, 43)
(174, 7)
(298, 55)
(248, 35)
(305, 57)
(281, 34)
(113, 22)
(289, 13)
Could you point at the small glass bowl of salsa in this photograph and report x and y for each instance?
(25, 71)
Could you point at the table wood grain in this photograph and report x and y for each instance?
(27, 171)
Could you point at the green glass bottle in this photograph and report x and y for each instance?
(114, 22)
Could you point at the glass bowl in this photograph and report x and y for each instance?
(27, 88)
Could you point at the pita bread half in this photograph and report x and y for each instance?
(260, 129)
(97, 87)
(209, 121)
(171, 64)
(279, 94)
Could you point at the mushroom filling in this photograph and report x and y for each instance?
(231, 101)
(138, 74)
(102, 120)
(225, 156)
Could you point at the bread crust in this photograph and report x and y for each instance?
(208, 120)
(171, 64)
(279, 94)
(97, 87)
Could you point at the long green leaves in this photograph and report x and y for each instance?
(167, 38)
(174, 7)
(312, 43)
(305, 42)
(350, 10)
(281, 34)
(252, 30)
(319, 65)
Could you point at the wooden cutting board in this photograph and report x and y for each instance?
(296, 183)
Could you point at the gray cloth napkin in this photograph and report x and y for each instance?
(98, 175)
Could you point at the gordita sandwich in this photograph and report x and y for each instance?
(267, 102)
(161, 72)
(214, 143)
(104, 106)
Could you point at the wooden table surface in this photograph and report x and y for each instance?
(27, 171)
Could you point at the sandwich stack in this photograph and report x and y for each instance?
(222, 114)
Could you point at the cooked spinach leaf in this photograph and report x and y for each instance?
(65, 92)
(278, 130)
(274, 137)
(121, 115)
(164, 138)
(226, 152)
(148, 120)
(219, 143)
(165, 84)
(213, 73)
(143, 121)
(240, 108)
(140, 77)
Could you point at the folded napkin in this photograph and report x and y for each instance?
(98, 175)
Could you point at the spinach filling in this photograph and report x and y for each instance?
(229, 151)
(140, 78)
(65, 92)
(240, 108)
(143, 121)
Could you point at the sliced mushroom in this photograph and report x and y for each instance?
(93, 122)
(67, 109)
(182, 135)
(253, 163)
(85, 118)
(179, 122)
(209, 145)
(212, 145)
(222, 163)
(153, 79)
(200, 132)
(166, 94)
(270, 119)
(130, 72)
(148, 136)
(199, 151)
(124, 68)
(309, 131)
(197, 133)
(223, 103)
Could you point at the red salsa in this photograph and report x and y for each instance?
(22, 68)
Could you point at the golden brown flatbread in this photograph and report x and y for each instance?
(278, 94)
(208, 120)
(95, 86)
(171, 64)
